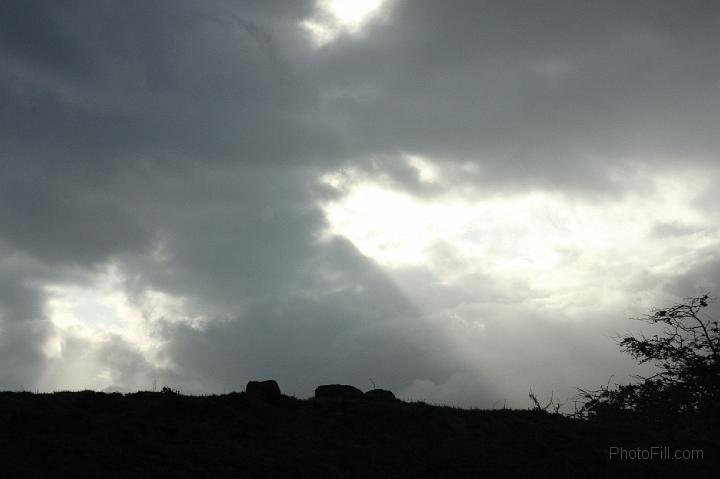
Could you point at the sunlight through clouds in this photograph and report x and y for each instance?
(97, 311)
(335, 17)
(488, 169)
(557, 245)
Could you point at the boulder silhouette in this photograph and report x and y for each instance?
(337, 391)
(263, 389)
(380, 395)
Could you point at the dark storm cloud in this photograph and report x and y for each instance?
(550, 93)
(165, 76)
(30, 33)
(22, 330)
(64, 225)
(702, 279)
(184, 139)
(169, 138)
(21, 353)
(20, 300)
(351, 334)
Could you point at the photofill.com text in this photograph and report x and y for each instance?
(654, 453)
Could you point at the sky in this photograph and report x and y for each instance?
(457, 201)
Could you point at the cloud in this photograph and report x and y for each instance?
(555, 95)
(23, 331)
(348, 336)
(187, 147)
(82, 228)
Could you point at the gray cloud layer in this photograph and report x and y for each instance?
(199, 130)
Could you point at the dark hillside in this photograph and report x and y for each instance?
(89, 434)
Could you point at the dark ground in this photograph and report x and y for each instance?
(148, 434)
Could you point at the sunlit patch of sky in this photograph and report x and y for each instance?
(102, 307)
(337, 17)
(562, 246)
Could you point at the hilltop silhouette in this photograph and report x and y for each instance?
(342, 432)
(633, 430)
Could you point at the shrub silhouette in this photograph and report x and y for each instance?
(168, 391)
(686, 386)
